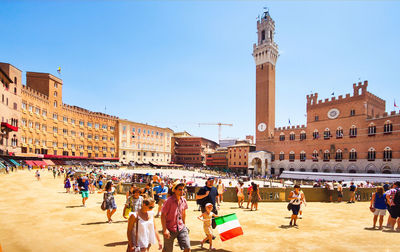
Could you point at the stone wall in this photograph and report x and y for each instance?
(276, 194)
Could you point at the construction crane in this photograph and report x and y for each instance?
(219, 127)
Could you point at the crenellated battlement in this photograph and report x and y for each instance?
(375, 99)
(290, 128)
(312, 99)
(359, 90)
(384, 115)
(85, 111)
(34, 92)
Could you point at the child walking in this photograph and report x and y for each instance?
(206, 218)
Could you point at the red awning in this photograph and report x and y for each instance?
(9, 126)
(29, 162)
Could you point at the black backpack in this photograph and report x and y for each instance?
(396, 199)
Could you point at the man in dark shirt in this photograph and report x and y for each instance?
(208, 194)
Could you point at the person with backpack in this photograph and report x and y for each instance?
(208, 194)
(378, 206)
(393, 202)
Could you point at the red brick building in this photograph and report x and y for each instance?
(218, 159)
(191, 150)
(350, 133)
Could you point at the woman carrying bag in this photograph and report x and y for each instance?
(142, 230)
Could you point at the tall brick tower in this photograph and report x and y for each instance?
(265, 54)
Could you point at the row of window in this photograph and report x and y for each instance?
(65, 119)
(144, 146)
(387, 129)
(240, 156)
(144, 153)
(143, 131)
(239, 163)
(64, 145)
(386, 155)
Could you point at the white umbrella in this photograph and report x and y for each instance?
(288, 182)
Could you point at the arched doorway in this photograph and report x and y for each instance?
(352, 171)
(281, 170)
(302, 170)
(314, 170)
(272, 171)
(291, 169)
(386, 170)
(338, 171)
(370, 171)
(256, 163)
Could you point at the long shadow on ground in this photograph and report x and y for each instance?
(73, 206)
(114, 244)
(104, 222)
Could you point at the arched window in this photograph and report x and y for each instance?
(303, 135)
(327, 134)
(339, 155)
(282, 137)
(291, 156)
(353, 131)
(55, 104)
(315, 156)
(371, 129)
(387, 154)
(315, 134)
(302, 156)
(272, 157)
(327, 155)
(388, 127)
(292, 136)
(353, 155)
(371, 154)
(281, 156)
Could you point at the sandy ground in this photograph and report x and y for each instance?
(40, 216)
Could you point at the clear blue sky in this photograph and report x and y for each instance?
(177, 63)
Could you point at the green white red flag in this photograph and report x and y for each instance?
(228, 226)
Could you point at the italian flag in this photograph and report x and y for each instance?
(228, 226)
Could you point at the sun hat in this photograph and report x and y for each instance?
(177, 183)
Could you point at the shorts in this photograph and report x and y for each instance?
(381, 212)
(85, 194)
(340, 195)
(295, 209)
(394, 212)
(183, 240)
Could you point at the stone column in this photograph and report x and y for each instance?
(263, 167)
